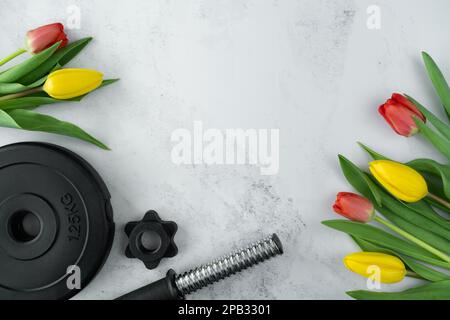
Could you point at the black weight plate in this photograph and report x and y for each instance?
(55, 213)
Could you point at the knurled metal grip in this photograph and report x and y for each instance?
(219, 269)
(175, 287)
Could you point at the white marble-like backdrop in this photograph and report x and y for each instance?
(310, 68)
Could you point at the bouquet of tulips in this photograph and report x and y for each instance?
(41, 79)
(410, 234)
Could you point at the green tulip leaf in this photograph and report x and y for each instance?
(432, 291)
(438, 141)
(387, 240)
(438, 80)
(26, 102)
(32, 121)
(422, 270)
(435, 174)
(20, 70)
(367, 246)
(439, 242)
(11, 88)
(357, 178)
(441, 126)
(372, 153)
(60, 57)
(434, 167)
(38, 99)
(439, 206)
(7, 121)
(16, 113)
(419, 218)
(424, 208)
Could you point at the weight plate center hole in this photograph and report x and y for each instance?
(25, 226)
(149, 242)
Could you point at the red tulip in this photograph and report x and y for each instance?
(398, 112)
(354, 207)
(40, 39)
(44, 37)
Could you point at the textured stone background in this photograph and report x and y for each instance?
(310, 68)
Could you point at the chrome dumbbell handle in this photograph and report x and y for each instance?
(174, 287)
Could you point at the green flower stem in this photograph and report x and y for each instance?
(413, 274)
(439, 200)
(21, 94)
(413, 239)
(12, 56)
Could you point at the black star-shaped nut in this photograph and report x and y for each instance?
(161, 243)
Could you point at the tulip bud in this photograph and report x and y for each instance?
(400, 180)
(399, 112)
(70, 83)
(44, 37)
(376, 266)
(354, 207)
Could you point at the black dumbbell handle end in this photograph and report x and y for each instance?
(164, 289)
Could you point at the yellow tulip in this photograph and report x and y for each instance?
(401, 181)
(376, 266)
(70, 83)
